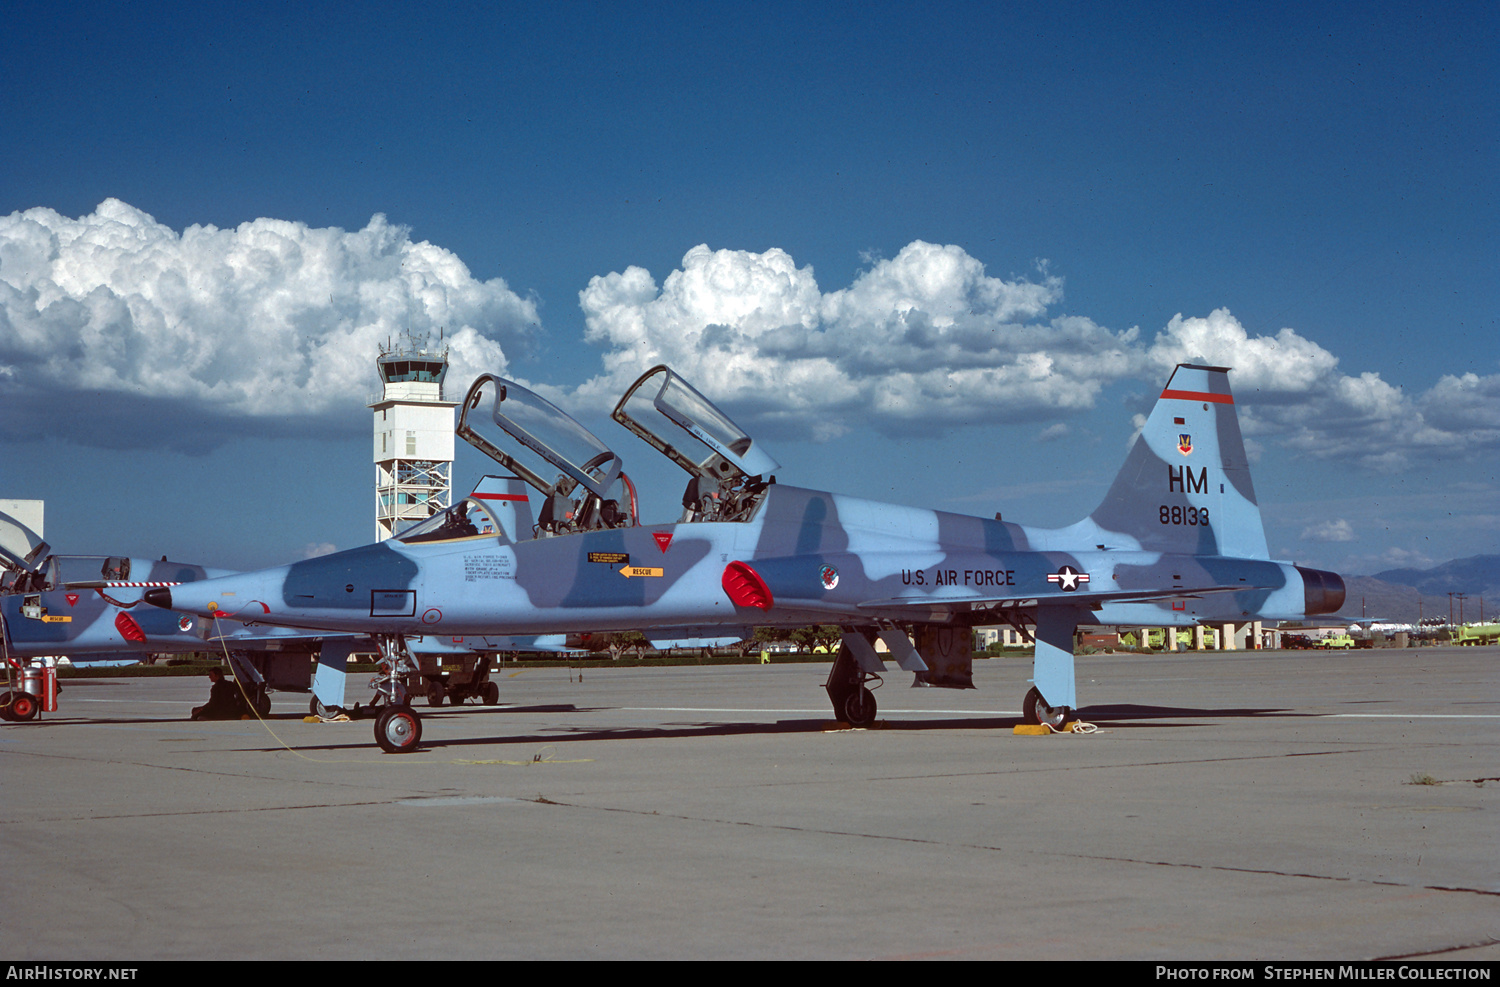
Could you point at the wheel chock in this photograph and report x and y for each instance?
(1041, 729)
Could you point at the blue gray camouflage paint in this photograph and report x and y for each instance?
(1177, 541)
(91, 610)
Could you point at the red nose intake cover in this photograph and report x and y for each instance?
(745, 588)
(128, 628)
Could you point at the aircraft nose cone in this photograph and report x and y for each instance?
(159, 598)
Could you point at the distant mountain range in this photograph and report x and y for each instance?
(1408, 594)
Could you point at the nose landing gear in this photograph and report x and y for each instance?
(398, 730)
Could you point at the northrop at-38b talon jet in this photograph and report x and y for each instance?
(1177, 541)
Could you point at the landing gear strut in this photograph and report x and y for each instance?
(1036, 712)
(853, 702)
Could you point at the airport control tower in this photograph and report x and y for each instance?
(413, 435)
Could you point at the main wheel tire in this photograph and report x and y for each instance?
(398, 730)
(491, 694)
(859, 707)
(263, 704)
(316, 708)
(1036, 712)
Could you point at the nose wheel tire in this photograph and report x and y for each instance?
(1036, 712)
(398, 730)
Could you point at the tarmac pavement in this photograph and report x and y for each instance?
(1236, 806)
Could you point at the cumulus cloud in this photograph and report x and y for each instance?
(928, 340)
(276, 323)
(1466, 405)
(1289, 386)
(923, 340)
(1265, 367)
(1329, 531)
(1052, 433)
(1392, 558)
(272, 319)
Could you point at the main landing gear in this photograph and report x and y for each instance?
(1036, 712)
(853, 702)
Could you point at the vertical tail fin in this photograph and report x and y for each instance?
(1185, 486)
(507, 498)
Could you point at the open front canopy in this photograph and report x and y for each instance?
(543, 430)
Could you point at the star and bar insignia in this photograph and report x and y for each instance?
(1068, 578)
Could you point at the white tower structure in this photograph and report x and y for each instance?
(413, 435)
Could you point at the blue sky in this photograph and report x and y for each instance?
(949, 251)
